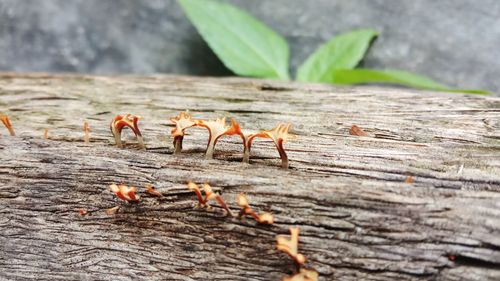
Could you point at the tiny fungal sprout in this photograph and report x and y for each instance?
(82, 212)
(216, 129)
(409, 179)
(357, 131)
(46, 134)
(112, 211)
(124, 192)
(130, 121)
(86, 132)
(279, 135)
(182, 122)
(194, 188)
(264, 218)
(303, 275)
(291, 246)
(151, 190)
(7, 124)
(209, 195)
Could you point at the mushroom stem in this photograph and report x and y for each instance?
(178, 144)
(140, 140)
(86, 131)
(11, 131)
(7, 124)
(246, 154)
(283, 156)
(210, 148)
(183, 121)
(118, 137)
(223, 204)
(247, 144)
(248, 211)
(194, 187)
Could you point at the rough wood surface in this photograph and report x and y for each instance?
(358, 219)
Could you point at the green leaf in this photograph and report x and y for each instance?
(242, 43)
(397, 77)
(344, 51)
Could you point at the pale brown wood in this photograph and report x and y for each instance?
(358, 218)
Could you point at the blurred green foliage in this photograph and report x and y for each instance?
(250, 48)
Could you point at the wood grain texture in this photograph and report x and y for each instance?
(358, 219)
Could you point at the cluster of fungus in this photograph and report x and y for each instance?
(203, 201)
(288, 245)
(242, 201)
(218, 128)
(128, 194)
(6, 122)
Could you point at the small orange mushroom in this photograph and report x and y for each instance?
(130, 121)
(112, 211)
(7, 124)
(409, 179)
(124, 192)
(264, 218)
(46, 134)
(182, 122)
(303, 275)
(279, 135)
(246, 137)
(82, 212)
(86, 132)
(151, 190)
(291, 246)
(357, 131)
(216, 129)
(209, 195)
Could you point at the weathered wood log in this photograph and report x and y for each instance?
(357, 217)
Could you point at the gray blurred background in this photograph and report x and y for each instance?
(453, 41)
